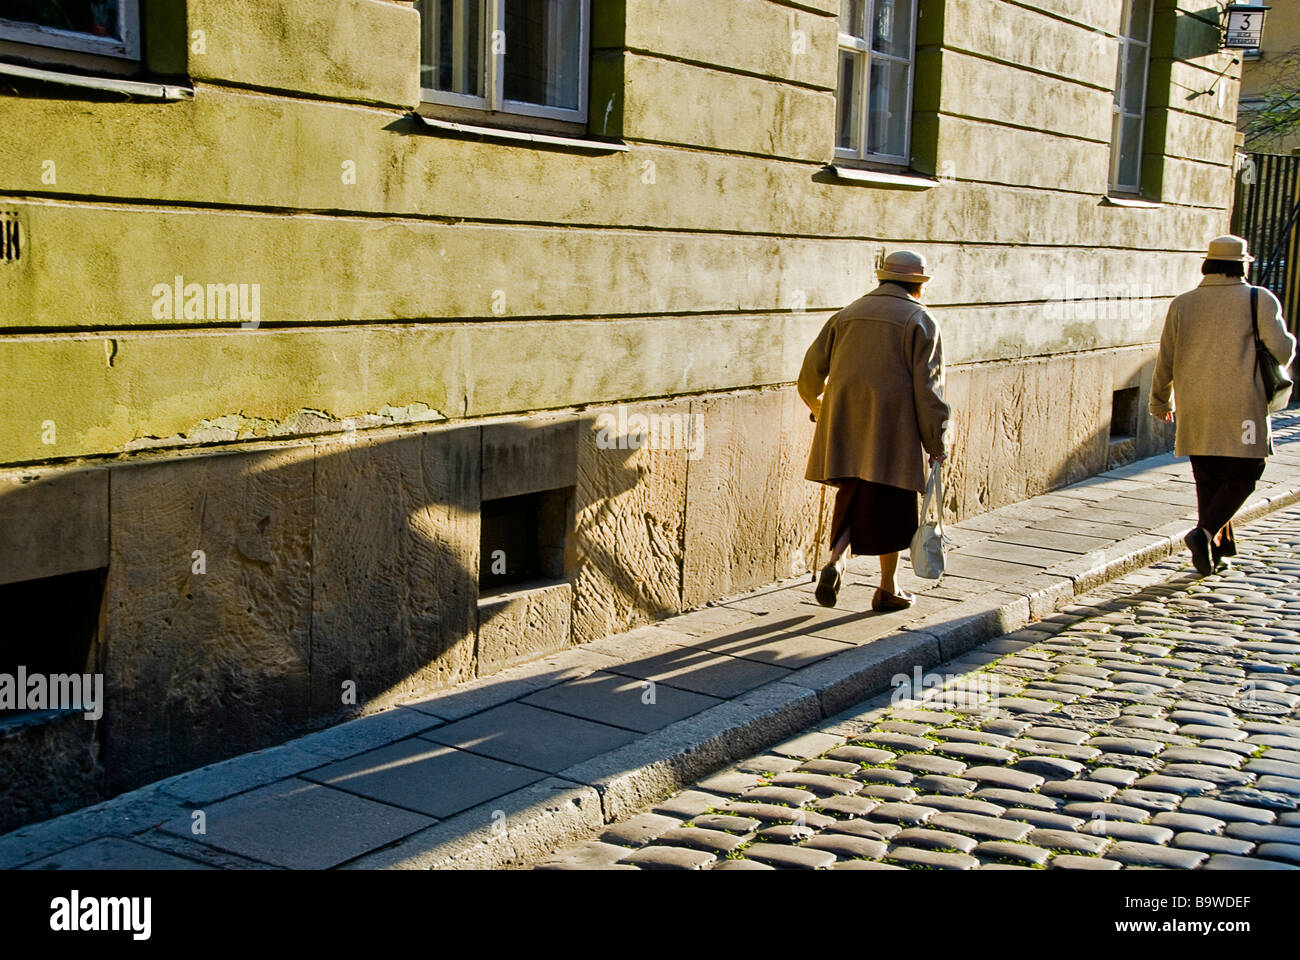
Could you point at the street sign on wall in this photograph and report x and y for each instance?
(1245, 27)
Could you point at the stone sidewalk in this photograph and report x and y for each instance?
(1155, 723)
(504, 771)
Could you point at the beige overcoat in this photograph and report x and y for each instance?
(1205, 371)
(874, 380)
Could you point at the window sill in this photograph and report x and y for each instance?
(520, 136)
(134, 88)
(881, 178)
(1132, 202)
(510, 592)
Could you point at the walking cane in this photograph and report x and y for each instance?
(821, 519)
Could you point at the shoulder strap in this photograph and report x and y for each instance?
(1254, 311)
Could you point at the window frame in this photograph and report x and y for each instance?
(127, 47)
(493, 77)
(1118, 113)
(862, 48)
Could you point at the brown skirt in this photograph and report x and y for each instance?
(881, 518)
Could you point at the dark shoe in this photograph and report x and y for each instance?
(828, 586)
(1219, 554)
(884, 601)
(1198, 541)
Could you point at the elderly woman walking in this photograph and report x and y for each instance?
(1207, 360)
(873, 379)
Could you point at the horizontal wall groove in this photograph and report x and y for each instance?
(727, 69)
(803, 7)
(276, 93)
(1019, 67)
(216, 328)
(148, 204)
(726, 151)
(1059, 18)
(989, 122)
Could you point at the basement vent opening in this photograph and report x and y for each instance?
(52, 631)
(523, 539)
(1124, 414)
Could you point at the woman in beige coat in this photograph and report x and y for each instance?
(1205, 371)
(873, 379)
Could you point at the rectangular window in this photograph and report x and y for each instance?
(526, 57)
(874, 100)
(1131, 96)
(107, 28)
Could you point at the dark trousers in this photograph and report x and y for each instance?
(1222, 485)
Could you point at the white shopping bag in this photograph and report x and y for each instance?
(927, 542)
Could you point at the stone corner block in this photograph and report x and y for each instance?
(54, 521)
(529, 455)
(523, 625)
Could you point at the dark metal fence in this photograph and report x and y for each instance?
(1266, 212)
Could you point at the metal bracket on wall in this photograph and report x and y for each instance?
(1217, 77)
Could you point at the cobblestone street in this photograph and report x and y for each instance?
(1154, 723)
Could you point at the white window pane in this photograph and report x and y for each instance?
(1140, 20)
(543, 45)
(891, 28)
(853, 15)
(887, 108)
(1130, 152)
(1135, 78)
(451, 45)
(849, 102)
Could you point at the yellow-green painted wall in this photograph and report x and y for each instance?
(704, 258)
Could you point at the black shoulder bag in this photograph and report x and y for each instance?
(1277, 384)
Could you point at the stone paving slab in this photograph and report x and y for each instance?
(622, 701)
(114, 853)
(1072, 543)
(701, 671)
(300, 825)
(791, 643)
(426, 777)
(529, 736)
(734, 678)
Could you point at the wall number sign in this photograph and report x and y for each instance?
(1245, 27)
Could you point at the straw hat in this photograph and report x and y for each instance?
(1229, 247)
(903, 265)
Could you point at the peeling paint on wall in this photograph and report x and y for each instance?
(239, 426)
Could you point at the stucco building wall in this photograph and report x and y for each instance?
(288, 501)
